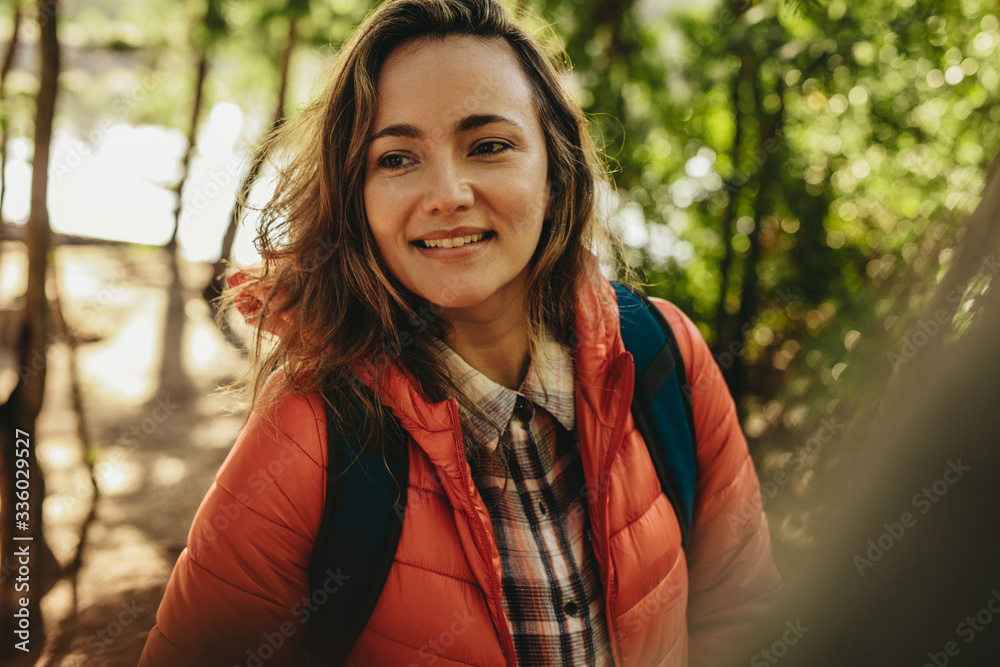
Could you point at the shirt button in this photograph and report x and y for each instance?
(570, 608)
(541, 508)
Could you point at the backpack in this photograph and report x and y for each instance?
(355, 549)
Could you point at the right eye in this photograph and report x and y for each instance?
(393, 161)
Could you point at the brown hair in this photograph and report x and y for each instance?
(345, 306)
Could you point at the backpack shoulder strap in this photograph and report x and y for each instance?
(359, 532)
(661, 402)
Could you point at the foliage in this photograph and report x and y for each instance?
(886, 113)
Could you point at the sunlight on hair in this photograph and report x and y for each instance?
(244, 248)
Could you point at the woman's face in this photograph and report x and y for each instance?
(456, 182)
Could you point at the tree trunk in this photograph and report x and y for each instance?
(19, 413)
(8, 61)
(611, 13)
(215, 283)
(746, 316)
(286, 63)
(734, 187)
(192, 138)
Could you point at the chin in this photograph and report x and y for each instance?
(455, 295)
(453, 299)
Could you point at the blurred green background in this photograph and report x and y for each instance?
(796, 175)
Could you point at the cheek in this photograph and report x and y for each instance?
(524, 198)
(386, 208)
(379, 216)
(372, 203)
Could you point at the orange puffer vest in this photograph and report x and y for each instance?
(239, 594)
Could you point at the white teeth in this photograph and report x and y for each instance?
(456, 242)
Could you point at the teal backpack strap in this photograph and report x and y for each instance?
(661, 403)
(354, 548)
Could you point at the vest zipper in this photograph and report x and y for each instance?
(627, 383)
(506, 641)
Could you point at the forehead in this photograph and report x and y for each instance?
(447, 78)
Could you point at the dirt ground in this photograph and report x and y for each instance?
(149, 366)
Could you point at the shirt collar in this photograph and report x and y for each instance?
(548, 384)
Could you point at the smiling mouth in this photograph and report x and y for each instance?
(456, 242)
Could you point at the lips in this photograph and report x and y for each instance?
(455, 241)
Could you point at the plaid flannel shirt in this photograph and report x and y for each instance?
(552, 590)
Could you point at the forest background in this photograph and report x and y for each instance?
(805, 179)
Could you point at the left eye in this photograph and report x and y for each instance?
(490, 148)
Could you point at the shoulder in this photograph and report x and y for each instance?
(249, 547)
(283, 414)
(279, 459)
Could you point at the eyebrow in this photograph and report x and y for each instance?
(468, 123)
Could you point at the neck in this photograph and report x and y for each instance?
(496, 345)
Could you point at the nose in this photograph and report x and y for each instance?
(447, 189)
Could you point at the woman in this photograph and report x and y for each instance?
(427, 255)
